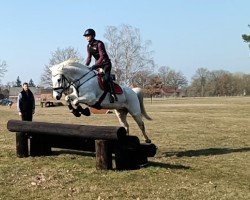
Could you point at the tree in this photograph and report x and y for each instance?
(154, 86)
(31, 83)
(57, 57)
(18, 82)
(176, 80)
(246, 38)
(163, 74)
(3, 69)
(128, 53)
(141, 78)
(201, 77)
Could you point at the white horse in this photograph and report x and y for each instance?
(86, 90)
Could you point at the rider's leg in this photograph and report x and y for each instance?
(106, 80)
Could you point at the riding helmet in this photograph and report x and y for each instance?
(89, 31)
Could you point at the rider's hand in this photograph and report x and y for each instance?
(93, 67)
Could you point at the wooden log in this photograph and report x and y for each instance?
(86, 131)
(39, 146)
(22, 145)
(66, 142)
(103, 155)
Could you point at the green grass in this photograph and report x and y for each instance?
(203, 153)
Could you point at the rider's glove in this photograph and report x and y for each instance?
(93, 67)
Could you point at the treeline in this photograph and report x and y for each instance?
(205, 83)
(219, 83)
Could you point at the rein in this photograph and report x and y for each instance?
(64, 79)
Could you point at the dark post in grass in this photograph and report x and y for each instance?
(21, 144)
(103, 155)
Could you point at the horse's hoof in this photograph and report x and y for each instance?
(148, 141)
(76, 113)
(86, 111)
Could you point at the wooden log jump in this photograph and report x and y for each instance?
(102, 140)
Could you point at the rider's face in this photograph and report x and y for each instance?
(88, 37)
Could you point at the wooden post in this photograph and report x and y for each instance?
(21, 144)
(103, 155)
(126, 153)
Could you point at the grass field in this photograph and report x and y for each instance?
(203, 153)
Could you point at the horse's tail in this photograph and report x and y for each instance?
(139, 94)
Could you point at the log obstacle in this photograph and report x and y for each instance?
(38, 139)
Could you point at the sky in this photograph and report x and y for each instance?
(185, 35)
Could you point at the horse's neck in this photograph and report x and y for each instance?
(75, 73)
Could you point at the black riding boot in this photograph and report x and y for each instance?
(112, 90)
(108, 87)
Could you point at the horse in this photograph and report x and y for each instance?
(86, 90)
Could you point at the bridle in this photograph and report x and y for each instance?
(76, 84)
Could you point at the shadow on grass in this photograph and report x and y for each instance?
(206, 152)
(91, 154)
(72, 152)
(166, 165)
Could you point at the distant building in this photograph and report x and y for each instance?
(37, 92)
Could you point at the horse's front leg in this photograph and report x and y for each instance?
(76, 107)
(69, 99)
(72, 98)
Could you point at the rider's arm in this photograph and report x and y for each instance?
(88, 60)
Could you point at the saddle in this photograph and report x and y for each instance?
(117, 88)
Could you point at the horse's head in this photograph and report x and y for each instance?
(59, 82)
(66, 74)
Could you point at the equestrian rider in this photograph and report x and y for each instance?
(97, 49)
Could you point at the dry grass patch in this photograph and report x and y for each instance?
(203, 153)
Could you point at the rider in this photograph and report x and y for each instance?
(97, 49)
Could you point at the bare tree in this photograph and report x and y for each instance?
(141, 78)
(3, 69)
(176, 80)
(128, 53)
(57, 57)
(163, 74)
(201, 77)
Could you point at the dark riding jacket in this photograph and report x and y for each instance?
(97, 49)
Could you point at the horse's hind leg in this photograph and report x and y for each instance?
(140, 123)
(122, 117)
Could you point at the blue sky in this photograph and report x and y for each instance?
(185, 35)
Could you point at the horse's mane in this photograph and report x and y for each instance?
(68, 64)
(72, 62)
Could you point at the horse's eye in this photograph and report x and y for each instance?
(58, 80)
